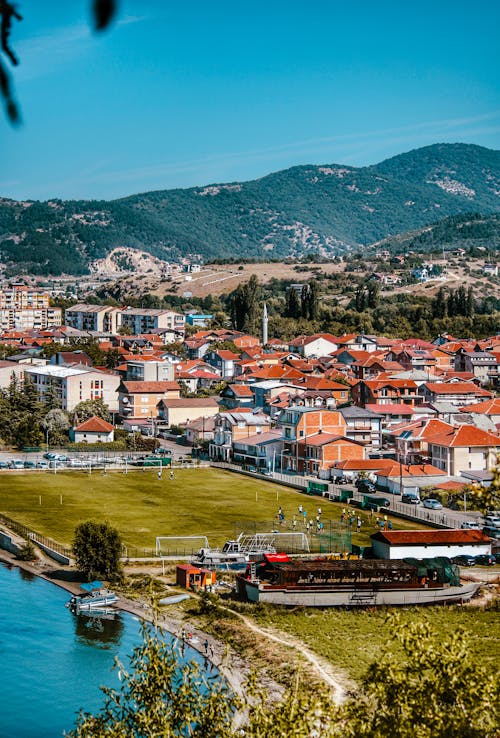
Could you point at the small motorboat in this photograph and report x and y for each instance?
(173, 599)
(94, 596)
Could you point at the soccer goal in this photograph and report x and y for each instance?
(290, 542)
(179, 545)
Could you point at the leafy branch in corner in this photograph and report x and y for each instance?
(103, 12)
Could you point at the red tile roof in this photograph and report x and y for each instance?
(152, 387)
(94, 425)
(455, 388)
(430, 537)
(464, 436)
(390, 409)
(488, 407)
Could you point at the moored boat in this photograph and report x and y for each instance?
(360, 583)
(235, 554)
(94, 596)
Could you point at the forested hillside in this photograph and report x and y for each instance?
(325, 209)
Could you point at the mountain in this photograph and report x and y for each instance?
(467, 231)
(326, 208)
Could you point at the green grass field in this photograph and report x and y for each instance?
(209, 502)
(353, 639)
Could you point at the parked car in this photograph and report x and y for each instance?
(485, 560)
(492, 521)
(365, 486)
(432, 504)
(16, 464)
(341, 480)
(470, 525)
(410, 499)
(491, 532)
(464, 560)
(42, 464)
(29, 465)
(4, 464)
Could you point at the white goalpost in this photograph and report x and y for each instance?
(172, 545)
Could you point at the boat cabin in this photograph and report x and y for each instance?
(192, 577)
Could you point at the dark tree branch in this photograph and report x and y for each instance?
(7, 13)
(104, 11)
(6, 92)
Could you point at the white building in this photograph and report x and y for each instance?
(420, 544)
(142, 320)
(75, 384)
(30, 318)
(100, 318)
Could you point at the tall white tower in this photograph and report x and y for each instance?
(264, 325)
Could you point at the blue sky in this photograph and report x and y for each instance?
(178, 94)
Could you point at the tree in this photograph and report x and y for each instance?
(437, 690)
(55, 425)
(293, 304)
(88, 408)
(97, 549)
(243, 305)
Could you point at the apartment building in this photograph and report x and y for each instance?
(100, 318)
(142, 320)
(75, 384)
(30, 318)
(22, 297)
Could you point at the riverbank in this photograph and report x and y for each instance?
(233, 668)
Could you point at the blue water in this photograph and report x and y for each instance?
(53, 662)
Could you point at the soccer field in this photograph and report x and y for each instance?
(197, 501)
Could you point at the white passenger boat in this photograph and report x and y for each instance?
(94, 596)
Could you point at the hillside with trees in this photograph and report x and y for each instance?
(321, 209)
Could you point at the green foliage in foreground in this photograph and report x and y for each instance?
(439, 690)
(97, 549)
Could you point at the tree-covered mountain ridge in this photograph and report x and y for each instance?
(320, 208)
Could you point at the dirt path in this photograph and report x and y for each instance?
(322, 667)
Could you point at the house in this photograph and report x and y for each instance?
(400, 478)
(386, 392)
(362, 425)
(199, 320)
(231, 427)
(223, 360)
(358, 341)
(194, 578)
(463, 449)
(179, 411)
(200, 430)
(237, 395)
(489, 408)
(140, 399)
(93, 430)
(482, 364)
(261, 450)
(320, 344)
(66, 358)
(419, 544)
(457, 393)
(322, 450)
(299, 424)
(490, 269)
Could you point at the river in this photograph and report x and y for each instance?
(53, 661)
